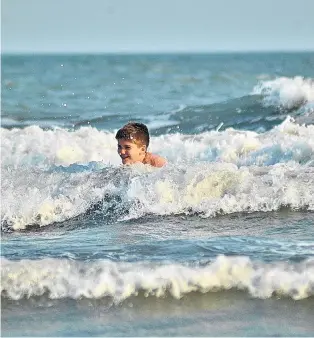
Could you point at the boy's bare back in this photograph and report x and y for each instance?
(154, 160)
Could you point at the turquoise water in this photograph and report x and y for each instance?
(219, 242)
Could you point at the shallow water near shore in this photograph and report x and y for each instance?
(219, 242)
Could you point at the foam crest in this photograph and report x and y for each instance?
(50, 176)
(62, 278)
(208, 189)
(42, 198)
(35, 147)
(286, 92)
(205, 189)
(212, 189)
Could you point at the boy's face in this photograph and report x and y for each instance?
(130, 152)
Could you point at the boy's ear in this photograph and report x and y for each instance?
(144, 148)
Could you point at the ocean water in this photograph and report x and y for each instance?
(219, 242)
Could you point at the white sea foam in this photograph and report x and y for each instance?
(44, 198)
(63, 278)
(33, 146)
(286, 92)
(211, 173)
(36, 146)
(209, 189)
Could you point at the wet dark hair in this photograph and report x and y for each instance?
(136, 132)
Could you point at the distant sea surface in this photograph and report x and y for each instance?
(219, 242)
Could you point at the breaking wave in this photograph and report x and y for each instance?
(63, 278)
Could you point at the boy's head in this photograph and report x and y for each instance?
(133, 141)
(135, 132)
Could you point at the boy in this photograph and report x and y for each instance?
(133, 141)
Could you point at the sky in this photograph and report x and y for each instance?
(137, 26)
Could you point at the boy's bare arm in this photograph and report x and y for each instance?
(154, 160)
(159, 161)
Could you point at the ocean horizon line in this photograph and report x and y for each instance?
(130, 53)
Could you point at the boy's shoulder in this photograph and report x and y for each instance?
(154, 160)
